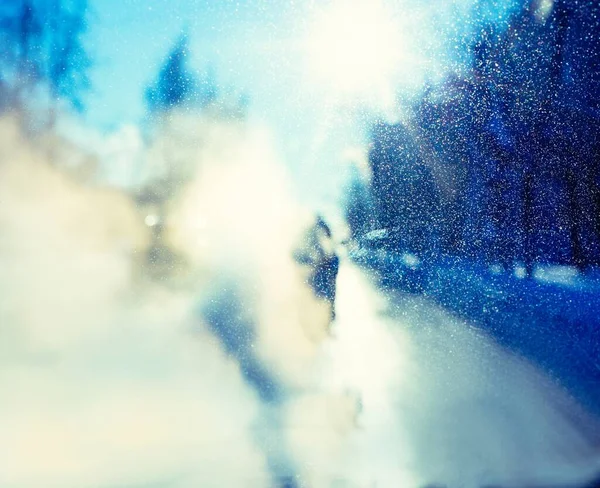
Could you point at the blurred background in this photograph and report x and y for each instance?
(299, 243)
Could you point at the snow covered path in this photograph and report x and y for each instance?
(443, 404)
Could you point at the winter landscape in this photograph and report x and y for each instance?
(300, 244)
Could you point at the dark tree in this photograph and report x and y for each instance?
(405, 194)
(360, 212)
(68, 60)
(176, 85)
(508, 150)
(43, 48)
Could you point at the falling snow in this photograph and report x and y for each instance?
(300, 244)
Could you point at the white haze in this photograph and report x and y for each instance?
(109, 377)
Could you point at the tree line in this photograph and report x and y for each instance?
(43, 61)
(500, 163)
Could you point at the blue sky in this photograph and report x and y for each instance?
(258, 47)
(253, 48)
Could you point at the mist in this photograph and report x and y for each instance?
(299, 244)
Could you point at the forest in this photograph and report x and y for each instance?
(498, 163)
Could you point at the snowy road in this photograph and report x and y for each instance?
(443, 404)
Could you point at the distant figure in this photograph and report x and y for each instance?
(319, 254)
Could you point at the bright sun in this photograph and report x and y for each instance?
(354, 48)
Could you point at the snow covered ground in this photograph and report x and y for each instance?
(444, 404)
(552, 319)
(552, 323)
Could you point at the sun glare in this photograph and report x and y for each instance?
(354, 48)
